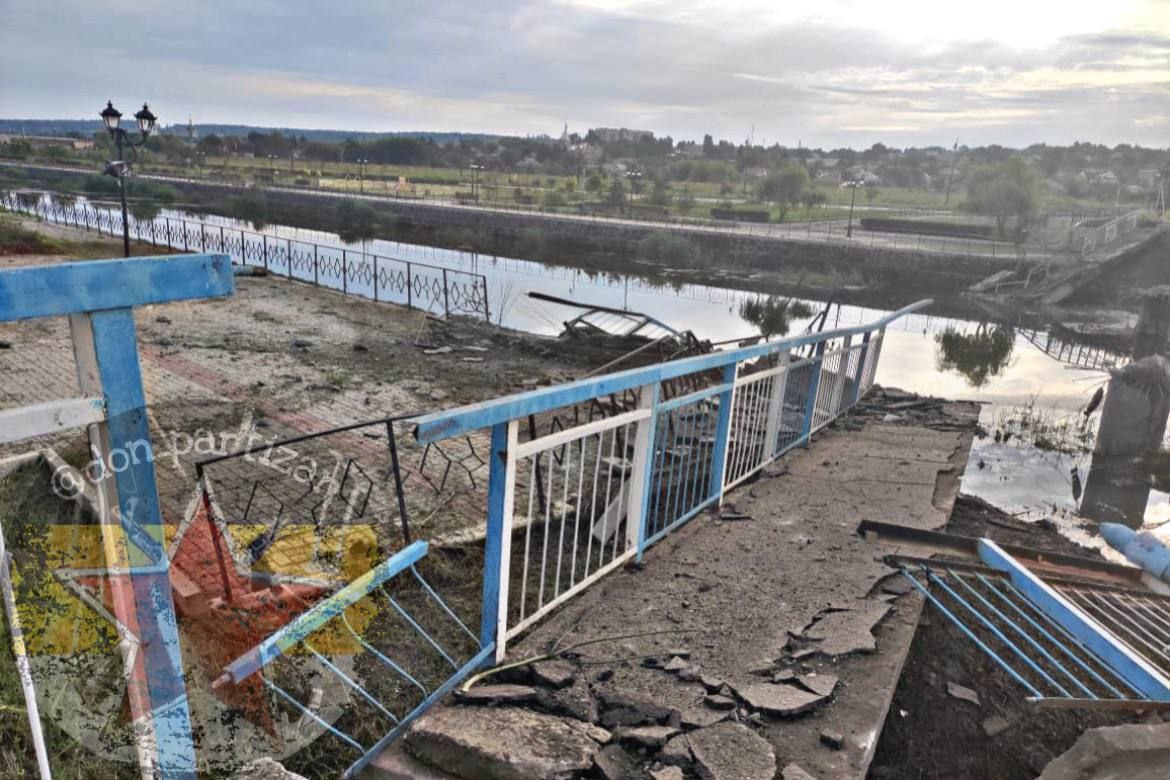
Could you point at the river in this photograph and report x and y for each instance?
(1035, 458)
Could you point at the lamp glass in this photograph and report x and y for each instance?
(111, 116)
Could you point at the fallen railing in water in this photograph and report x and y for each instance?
(584, 499)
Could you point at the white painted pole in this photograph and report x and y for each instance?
(506, 540)
(22, 667)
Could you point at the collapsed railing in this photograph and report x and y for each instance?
(1107, 233)
(329, 623)
(376, 277)
(582, 500)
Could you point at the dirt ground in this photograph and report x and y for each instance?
(930, 734)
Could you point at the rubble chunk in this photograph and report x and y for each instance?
(995, 725)
(620, 709)
(650, 737)
(731, 751)
(963, 692)
(783, 700)
(494, 694)
(677, 752)
(823, 684)
(615, 764)
(1135, 752)
(718, 701)
(500, 742)
(832, 739)
(554, 673)
(841, 632)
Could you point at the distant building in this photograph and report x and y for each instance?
(63, 142)
(611, 135)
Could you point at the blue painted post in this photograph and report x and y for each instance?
(722, 432)
(497, 545)
(814, 384)
(642, 475)
(115, 348)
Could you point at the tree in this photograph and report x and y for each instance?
(1007, 190)
(784, 187)
(813, 198)
(708, 146)
(617, 193)
(660, 193)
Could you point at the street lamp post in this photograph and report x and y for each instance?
(853, 185)
(361, 174)
(120, 168)
(634, 177)
(475, 169)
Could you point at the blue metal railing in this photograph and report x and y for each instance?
(588, 496)
(296, 636)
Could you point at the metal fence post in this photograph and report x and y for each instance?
(375, 280)
(409, 289)
(814, 385)
(344, 272)
(723, 431)
(498, 542)
(264, 244)
(316, 280)
(446, 295)
(642, 474)
(288, 258)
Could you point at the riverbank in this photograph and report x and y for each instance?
(805, 262)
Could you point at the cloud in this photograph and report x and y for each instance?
(844, 73)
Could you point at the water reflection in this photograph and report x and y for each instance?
(1010, 367)
(980, 355)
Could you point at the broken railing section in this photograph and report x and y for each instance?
(415, 285)
(1065, 643)
(587, 496)
(341, 625)
(368, 475)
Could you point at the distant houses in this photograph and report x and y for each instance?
(49, 141)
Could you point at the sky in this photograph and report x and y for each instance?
(825, 73)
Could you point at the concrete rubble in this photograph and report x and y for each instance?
(504, 743)
(1133, 752)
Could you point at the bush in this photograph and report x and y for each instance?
(553, 200)
(740, 215)
(251, 208)
(670, 247)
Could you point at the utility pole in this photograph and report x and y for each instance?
(951, 172)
